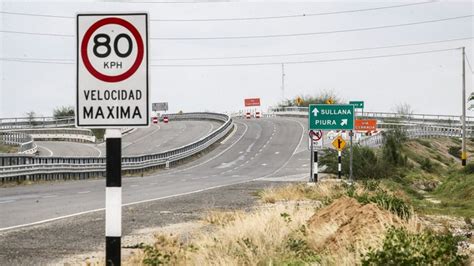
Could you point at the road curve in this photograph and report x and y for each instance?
(155, 138)
(257, 149)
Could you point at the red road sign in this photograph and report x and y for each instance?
(252, 102)
(165, 119)
(247, 115)
(365, 124)
(155, 120)
(315, 135)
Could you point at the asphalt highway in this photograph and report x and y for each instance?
(257, 149)
(156, 138)
(267, 149)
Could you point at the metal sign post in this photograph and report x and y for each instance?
(351, 134)
(311, 166)
(316, 141)
(112, 92)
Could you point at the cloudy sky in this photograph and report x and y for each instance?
(37, 53)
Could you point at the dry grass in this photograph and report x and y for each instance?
(255, 237)
(346, 229)
(322, 191)
(284, 233)
(219, 217)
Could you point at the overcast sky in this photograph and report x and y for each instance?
(429, 82)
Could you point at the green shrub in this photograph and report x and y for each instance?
(424, 143)
(455, 151)
(469, 168)
(365, 163)
(427, 165)
(388, 202)
(371, 184)
(392, 149)
(403, 248)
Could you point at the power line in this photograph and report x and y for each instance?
(311, 33)
(268, 55)
(294, 16)
(37, 33)
(309, 61)
(256, 64)
(260, 36)
(237, 19)
(315, 52)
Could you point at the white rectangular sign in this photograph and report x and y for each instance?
(159, 106)
(317, 144)
(112, 70)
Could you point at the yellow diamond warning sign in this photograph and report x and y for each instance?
(339, 143)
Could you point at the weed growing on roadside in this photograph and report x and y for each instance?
(427, 248)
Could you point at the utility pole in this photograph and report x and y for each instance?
(283, 81)
(463, 153)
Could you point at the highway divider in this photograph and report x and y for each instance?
(15, 168)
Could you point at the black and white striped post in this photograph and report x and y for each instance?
(113, 197)
(315, 166)
(339, 164)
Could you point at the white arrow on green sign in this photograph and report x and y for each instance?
(357, 104)
(331, 116)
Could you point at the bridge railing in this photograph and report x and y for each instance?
(35, 122)
(23, 167)
(448, 120)
(24, 141)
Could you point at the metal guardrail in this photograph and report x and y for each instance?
(448, 120)
(414, 132)
(69, 134)
(35, 122)
(23, 167)
(24, 141)
(415, 125)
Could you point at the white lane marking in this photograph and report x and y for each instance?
(250, 147)
(212, 158)
(277, 152)
(302, 135)
(230, 135)
(211, 129)
(140, 139)
(159, 198)
(264, 164)
(50, 151)
(50, 196)
(304, 165)
(6, 201)
(97, 149)
(83, 192)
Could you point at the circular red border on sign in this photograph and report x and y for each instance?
(85, 56)
(316, 134)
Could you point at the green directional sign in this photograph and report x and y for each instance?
(357, 104)
(331, 116)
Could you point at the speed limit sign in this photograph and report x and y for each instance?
(112, 70)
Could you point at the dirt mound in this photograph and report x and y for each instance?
(347, 224)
